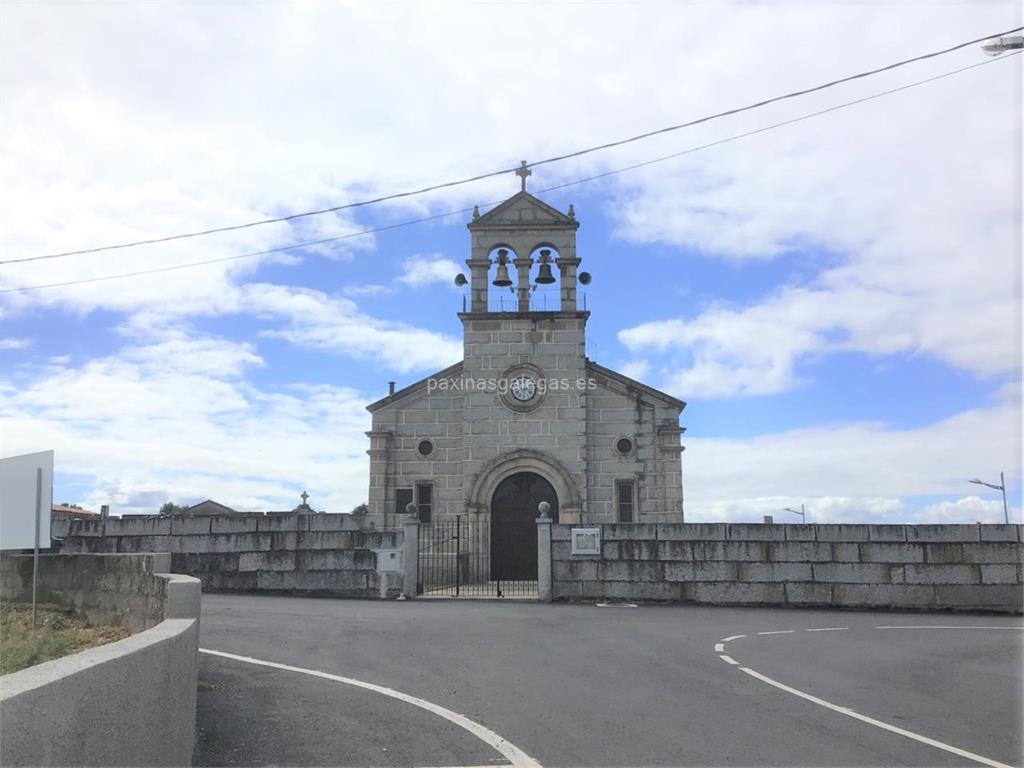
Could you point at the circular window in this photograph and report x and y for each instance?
(624, 445)
(425, 448)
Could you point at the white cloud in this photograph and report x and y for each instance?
(176, 422)
(317, 321)
(12, 343)
(312, 319)
(635, 369)
(916, 196)
(919, 256)
(965, 510)
(426, 270)
(853, 472)
(371, 290)
(753, 351)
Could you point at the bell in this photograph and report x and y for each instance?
(544, 277)
(502, 279)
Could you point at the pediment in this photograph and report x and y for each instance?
(523, 210)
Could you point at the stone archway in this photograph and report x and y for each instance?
(525, 460)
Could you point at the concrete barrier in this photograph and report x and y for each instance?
(131, 702)
(929, 567)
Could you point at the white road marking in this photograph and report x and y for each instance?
(876, 723)
(728, 659)
(945, 626)
(779, 632)
(719, 647)
(511, 752)
(828, 629)
(730, 639)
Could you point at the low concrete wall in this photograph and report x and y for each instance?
(931, 567)
(326, 554)
(132, 702)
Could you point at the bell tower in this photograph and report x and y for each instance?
(524, 364)
(525, 415)
(507, 238)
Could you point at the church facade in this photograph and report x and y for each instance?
(525, 416)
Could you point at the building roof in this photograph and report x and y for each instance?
(629, 383)
(456, 370)
(69, 509)
(208, 507)
(523, 209)
(450, 371)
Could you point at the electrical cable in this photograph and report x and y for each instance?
(558, 158)
(576, 182)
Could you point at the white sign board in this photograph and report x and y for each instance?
(18, 500)
(586, 541)
(389, 560)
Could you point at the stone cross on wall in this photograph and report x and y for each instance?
(522, 172)
(304, 497)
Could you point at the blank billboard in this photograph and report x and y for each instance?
(18, 500)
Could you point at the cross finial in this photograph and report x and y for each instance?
(522, 172)
(304, 496)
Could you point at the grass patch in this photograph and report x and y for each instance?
(57, 633)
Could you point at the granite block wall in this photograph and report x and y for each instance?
(114, 589)
(328, 554)
(927, 567)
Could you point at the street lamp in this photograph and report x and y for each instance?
(1000, 487)
(803, 516)
(998, 45)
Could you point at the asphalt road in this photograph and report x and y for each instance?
(584, 685)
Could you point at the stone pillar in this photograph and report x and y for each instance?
(410, 555)
(478, 269)
(567, 270)
(523, 264)
(544, 556)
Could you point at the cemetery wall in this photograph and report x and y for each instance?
(327, 554)
(927, 567)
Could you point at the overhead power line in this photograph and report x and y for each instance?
(576, 182)
(490, 174)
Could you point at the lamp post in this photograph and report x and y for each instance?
(803, 515)
(998, 45)
(1000, 487)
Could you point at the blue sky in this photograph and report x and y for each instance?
(838, 301)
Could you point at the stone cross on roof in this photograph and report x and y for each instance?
(522, 172)
(304, 496)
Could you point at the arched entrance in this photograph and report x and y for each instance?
(513, 525)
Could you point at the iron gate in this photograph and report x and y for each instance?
(464, 556)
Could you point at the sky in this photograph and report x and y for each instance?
(838, 300)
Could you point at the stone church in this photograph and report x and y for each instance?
(525, 417)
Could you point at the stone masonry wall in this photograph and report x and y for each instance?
(614, 411)
(928, 567)
(317, 554)
(121, 590)
(553, 344)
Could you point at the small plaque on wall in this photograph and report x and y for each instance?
(586, 541)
